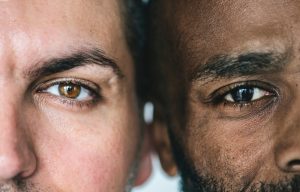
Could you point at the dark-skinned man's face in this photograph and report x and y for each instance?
(234, 112)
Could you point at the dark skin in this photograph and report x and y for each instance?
(233, 116)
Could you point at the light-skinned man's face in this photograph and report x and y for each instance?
(69, 114)
(234, 119)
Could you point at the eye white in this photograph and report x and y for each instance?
(229, 98)
(257, 94)
(84, 94)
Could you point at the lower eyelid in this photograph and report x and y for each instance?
(235, 111)
(44, 98)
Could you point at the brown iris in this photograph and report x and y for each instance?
(69, 90)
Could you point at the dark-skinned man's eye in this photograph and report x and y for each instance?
(245, 94)
(243, 98)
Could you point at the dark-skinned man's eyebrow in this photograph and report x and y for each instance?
(76, 59)
(226, 66)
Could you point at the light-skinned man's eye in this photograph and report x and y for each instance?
(69, 92)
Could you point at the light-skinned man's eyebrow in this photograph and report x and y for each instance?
(226, 66)
(73, 60)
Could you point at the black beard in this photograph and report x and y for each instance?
(195, 183)
(192, 181)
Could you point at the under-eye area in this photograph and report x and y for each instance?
(69, 92)
(244, 98)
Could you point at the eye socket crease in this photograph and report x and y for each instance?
(91, 56)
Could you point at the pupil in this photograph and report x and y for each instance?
(69, 90)
(243, 94)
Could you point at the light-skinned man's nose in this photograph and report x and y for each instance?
(17, 158)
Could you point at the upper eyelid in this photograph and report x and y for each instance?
(82, 82)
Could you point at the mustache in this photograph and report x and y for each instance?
(292, 186)
(19, 186)
(201, 184)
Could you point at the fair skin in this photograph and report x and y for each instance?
(69, 115)
(234, 112)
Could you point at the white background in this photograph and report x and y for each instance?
(159, 181)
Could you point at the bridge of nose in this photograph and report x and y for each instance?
(16, 153)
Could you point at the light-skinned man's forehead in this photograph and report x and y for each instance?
(67, 14)
(66, 75)
(29, 36)
(71, 21)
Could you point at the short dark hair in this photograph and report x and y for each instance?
(134, 25)
(167, 83)
(135, 35)
(157, 54)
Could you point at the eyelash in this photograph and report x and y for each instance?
(218, 96)
(41, 89)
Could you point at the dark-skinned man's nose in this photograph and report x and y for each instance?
(17, 158)
(287, 151)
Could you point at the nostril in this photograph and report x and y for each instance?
(10, 166)
(288, 158)
(21, 163)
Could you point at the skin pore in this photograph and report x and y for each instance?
(233, 116)
(69, 112)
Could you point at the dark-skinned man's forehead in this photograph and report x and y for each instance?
(234, 33)
(211, 17)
